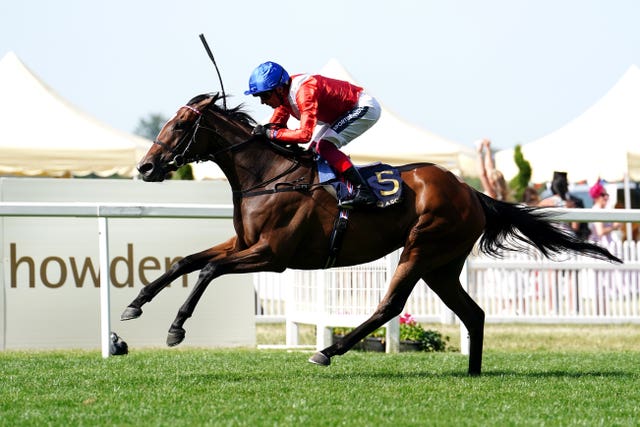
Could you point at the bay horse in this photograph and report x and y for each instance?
(284, 219)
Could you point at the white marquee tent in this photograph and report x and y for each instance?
(394, 141)
(42, 134)
(391, 140)
(603, 142)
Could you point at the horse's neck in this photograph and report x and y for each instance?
(256, 165)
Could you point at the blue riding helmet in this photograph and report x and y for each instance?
(267, 76)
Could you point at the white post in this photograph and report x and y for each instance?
(292, 333)
(324, 336)
(627, 205)
(105, 319)
(392, 336)
(323, 333)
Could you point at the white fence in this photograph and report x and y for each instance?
(521, 287)
(525, 287)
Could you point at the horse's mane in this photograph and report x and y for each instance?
(236, 113)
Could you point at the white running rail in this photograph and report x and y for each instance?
(521, 287)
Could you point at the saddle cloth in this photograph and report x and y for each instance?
(384, 180)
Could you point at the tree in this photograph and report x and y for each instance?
(521, 180)
(149, 128)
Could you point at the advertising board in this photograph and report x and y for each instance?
(50, 268)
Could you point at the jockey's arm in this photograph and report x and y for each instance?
(307, 104)
(280, 117)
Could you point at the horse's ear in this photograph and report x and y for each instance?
(213, 100)
(218, 97)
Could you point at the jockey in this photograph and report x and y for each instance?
(341, 110)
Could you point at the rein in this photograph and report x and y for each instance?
(180, 154)
(181, 157)
(280, 187)
(294, 185)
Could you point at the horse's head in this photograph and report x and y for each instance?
(197, 132)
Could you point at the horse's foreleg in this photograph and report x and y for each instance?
(400, 288)
(184, 266)
(256, 258)
(445, 282)
(176, 331)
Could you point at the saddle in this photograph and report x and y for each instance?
(385, 183)
(384, 180)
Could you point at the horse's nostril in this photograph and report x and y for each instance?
(145, 168)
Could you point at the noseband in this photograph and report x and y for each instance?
(180, 150)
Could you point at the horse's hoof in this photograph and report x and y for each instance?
(320, 359)
(130, 313)
(175, 337)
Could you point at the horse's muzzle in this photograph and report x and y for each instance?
(151, 172)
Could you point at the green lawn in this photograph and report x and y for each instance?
(533, 375)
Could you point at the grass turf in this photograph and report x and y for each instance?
(576, 379)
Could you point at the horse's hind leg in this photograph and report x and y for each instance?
(402, 283)
(445, 281)
(184, 266)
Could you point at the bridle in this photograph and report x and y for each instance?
(181, 157)
(180, 151)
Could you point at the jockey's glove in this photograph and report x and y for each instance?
(266, 131)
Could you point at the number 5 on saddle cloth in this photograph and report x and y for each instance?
(384, 181)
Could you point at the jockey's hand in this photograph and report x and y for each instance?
(264, 131)
(259, 130)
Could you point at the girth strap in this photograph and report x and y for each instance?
(335, 242)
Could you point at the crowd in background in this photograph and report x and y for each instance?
(557, 195)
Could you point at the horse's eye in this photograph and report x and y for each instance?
(180, 126)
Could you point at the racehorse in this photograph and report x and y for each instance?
(284, 219)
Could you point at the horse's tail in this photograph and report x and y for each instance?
(512, 227)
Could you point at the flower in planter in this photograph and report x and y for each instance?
(429, 340)
(411, 331)
(407, 319)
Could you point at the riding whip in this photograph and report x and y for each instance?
(206, 46)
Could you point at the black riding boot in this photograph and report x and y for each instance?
(363, 194)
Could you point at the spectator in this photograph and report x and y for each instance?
(493, 182)
(562, 199)
(530, 196)
(635, 226)
(602, 232)
(559, 190)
